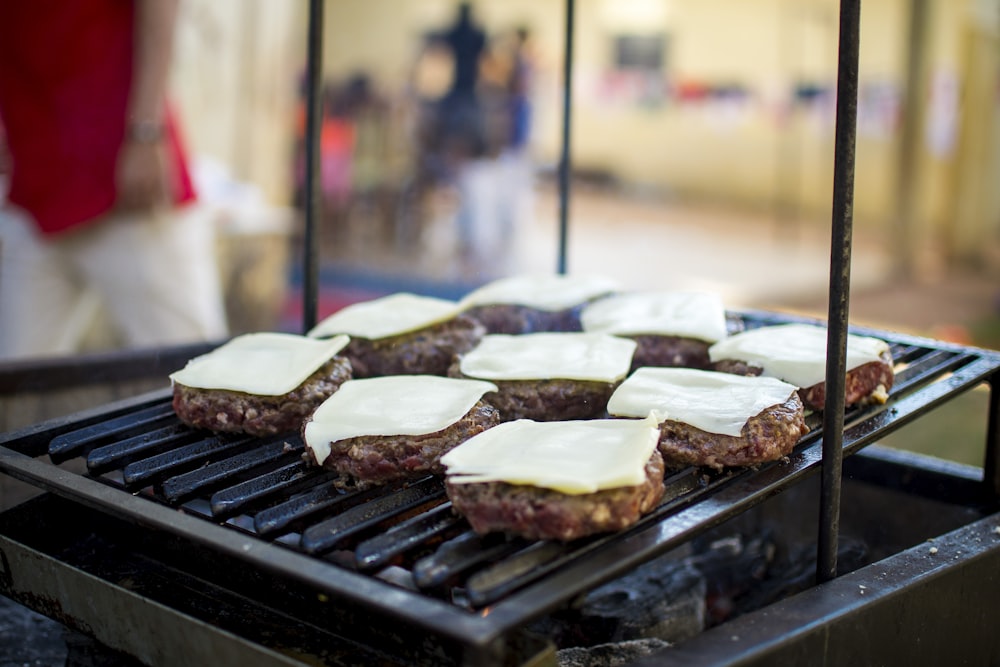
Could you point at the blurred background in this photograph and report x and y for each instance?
(702, 152)
(702, 148)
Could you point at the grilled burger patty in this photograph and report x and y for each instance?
(546, 400)
(503, 318)
(868, 383)
(767, 436)
(545, 514)
(673, 351)
(239, 412)
(427, 351)
(375, 459)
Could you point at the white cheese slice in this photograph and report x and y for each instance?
(391, 405)
(386, 316)
(551, 292)
(713, 402)
(795, 353)
(265, 364)
(545, 356)
(573, 457)
(698, 315)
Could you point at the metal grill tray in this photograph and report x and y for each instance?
(400, 551)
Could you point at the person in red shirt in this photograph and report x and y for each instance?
(100, 209)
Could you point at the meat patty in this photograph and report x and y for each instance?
(672, 351)
(546, 400)
(868, 383)
(767, 436)
(545, 514)
(370, 460)
(428, 351)
(517, 319)
(239, 412)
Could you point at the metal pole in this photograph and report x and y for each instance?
(314, 110)
(840, 286)
(564, 163)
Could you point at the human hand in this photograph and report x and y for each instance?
(141, 179)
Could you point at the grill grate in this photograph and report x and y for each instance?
(406, 537)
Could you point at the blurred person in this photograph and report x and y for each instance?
(100, 206)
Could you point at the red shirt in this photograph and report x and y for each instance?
(65, 72)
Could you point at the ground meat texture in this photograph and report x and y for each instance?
(767, 436)
(671, 351)
(428, 351)
(545, 514)
(868, 383)
(239, 412)
(370, 460)
(516, 319)
(546, 400)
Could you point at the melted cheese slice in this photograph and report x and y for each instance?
(386, 316)
(698, 315)
(546, 356)
(391, 405)
(795, 353)
(265, 364)
(551, 292)
(713, 402)
(573, 457)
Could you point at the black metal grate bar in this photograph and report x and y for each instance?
(79, 442)
(437, 524)
(137, 448)
(243, 498)
(183, 459)
(324, 536)
(215, 475)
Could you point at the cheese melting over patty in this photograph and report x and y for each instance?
(713, 402)
(552, 292)
(573, 457)
(795, 353)
(264, 364)
(391, 405)
(386, 316)
(698, 315)
(547, 356)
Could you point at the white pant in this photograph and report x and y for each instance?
(154, 274)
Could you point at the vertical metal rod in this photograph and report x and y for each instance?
(314, 111)
(840, 286)
(564, 159)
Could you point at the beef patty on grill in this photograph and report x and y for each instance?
(546, 514)
(428, 351)
(239, 412)
(868, 383)
(369, 460)
(767, 436)
(546, 400)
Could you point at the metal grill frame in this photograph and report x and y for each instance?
(23, 455)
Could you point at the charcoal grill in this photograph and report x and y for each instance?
(395, 568)
(178, 546)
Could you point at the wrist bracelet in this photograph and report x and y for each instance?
(145, 131)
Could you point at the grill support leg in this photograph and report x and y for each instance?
(840, 281)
